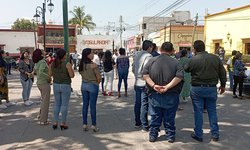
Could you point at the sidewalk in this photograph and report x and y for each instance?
(19, 128)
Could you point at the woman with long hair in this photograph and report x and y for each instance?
(62, 72)
(4, 83)
(108, 64)
(26, 68)
(90, 86)
(185, 92)
(238, 74)
(43, 83)
(122, 64)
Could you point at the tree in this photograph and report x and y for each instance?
(81, 19)
(23, 24)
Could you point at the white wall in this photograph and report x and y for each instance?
(81, 42)
(15, 39)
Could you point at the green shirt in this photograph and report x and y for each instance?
(41, 69)
(8, 59)
(206, 69)
(60, 74)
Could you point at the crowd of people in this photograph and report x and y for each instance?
(161, 81)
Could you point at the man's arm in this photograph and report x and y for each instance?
(187, 66)
(222, 77)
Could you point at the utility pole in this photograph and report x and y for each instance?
(65, 27)
(121, 30)
(195, 24)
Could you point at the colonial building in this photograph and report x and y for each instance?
(180, 35)
(55, 37)
(228, 29)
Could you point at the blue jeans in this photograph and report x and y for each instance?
(123, 75)
(141, 106)
(89, 96)
(8, 66)
(163, 107)
(26, 89)
(231, 79)
(62, 94)
(207, 96)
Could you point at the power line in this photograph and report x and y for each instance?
(176, 3)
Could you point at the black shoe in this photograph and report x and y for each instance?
(171, 140)
(235, 96)
(54, 126)
(196, 137)
(215, 139)
(138, 126)
(145, 129)
(64, 127)
(152, 139)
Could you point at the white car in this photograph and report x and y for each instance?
(246, 83)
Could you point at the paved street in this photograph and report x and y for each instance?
(19, 128)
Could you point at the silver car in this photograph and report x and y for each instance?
(246, 83)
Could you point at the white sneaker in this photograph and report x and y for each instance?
(27, 103)
(2, 106)
(10, 104)
(30, 102)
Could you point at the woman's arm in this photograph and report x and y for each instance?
(70, 70)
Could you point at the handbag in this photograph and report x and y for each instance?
(242, 74)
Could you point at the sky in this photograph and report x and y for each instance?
(104, 11)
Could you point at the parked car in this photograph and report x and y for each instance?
(246, 83)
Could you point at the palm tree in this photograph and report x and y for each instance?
(81, 19)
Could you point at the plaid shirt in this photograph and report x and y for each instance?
(101, 68)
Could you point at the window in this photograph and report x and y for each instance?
(247, 48)
(144, 26)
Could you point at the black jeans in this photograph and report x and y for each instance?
(238, 80)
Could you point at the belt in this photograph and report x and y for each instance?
(204, 85)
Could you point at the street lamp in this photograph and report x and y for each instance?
(42, 11)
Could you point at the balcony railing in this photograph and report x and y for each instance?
(56, 40)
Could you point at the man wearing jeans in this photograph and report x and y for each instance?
(206, 69)
(141, 97)
(164, 84)
(230, 69)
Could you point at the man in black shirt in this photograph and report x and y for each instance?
(163, 75)
(206, 69)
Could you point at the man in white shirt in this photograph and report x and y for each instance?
(75, 57)
(96, 58)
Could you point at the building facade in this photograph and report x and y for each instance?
(55, 37)
(180, 35)
(153, 24)
(228, 29)
(15, 41)
(134, 43)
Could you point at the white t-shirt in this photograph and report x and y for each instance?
(229, 61)
(74, 56)
(96, 60)
(115, 57)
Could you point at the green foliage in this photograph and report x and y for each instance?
(23, 24)
(81, 19)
